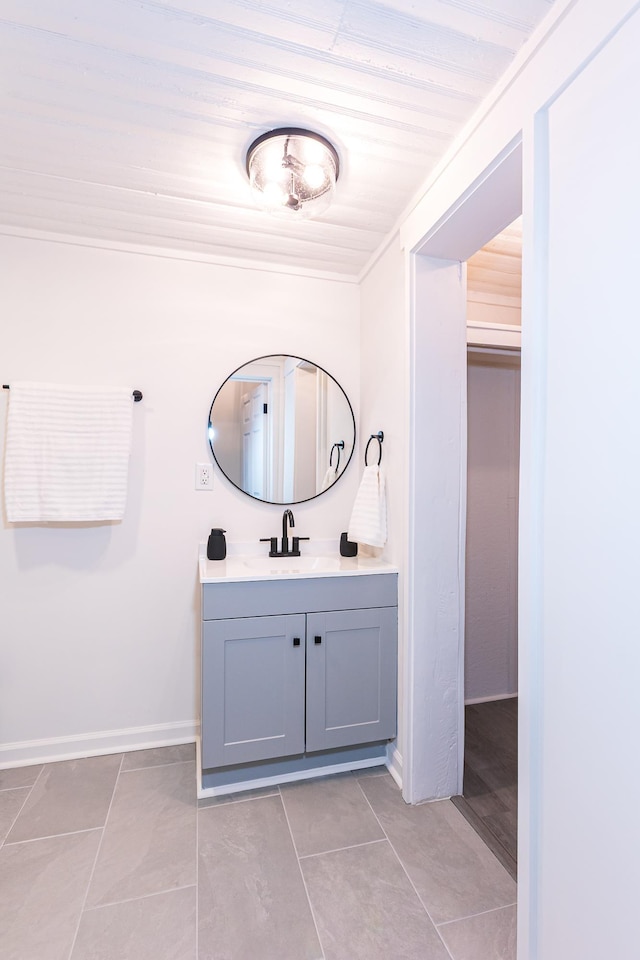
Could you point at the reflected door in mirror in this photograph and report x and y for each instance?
(255, 442)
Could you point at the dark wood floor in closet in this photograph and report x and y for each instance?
(490, 791)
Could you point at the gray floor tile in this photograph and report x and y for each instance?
(149, 843)
(252, 896)
(378, 771)
(159, 927)
(366, 908)
(11, 802)
(252, 901)
(136, 759)
(487, 836)
(19, 777)
(454, 872)
(488, 936)
(42, 888)
(239, 797)
(383, 775)
(328, 813)
(68, 796)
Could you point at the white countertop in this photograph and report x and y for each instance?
(239, 567)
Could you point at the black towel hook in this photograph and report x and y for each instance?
(379, 436)
(337, 446)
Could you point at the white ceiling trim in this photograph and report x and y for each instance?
(174, 254)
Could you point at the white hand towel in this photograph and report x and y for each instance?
(368, 522)
(67, 452)
(328, 479)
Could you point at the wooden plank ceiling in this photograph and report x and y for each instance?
(494, 273)
(129, 121)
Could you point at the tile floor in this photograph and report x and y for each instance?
(112, 858)
(490, 795)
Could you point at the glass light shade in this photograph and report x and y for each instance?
(292, 172)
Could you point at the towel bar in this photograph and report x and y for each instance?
(137, 394)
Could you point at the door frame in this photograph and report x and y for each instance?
(433, 597)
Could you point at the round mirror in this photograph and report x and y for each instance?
(281, 429)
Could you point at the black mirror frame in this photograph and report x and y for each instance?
(282, 503)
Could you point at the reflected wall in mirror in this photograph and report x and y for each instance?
(281, 429)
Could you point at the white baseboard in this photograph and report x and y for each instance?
(394, 763)
(498, 696)
(28, 752)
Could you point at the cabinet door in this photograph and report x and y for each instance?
(351, 677)
(252, 689)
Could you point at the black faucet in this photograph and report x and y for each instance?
(287, 517)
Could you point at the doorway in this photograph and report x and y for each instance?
(489, 798)
(490, 780)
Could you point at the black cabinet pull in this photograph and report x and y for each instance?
(318, 639)
(296, 641)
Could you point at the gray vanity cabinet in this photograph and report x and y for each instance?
(253, 689)
(351, 677)
(315, 671)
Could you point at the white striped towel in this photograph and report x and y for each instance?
(368, 522)
(67, 452)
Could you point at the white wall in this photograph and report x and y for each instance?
(99, 623)
(384, 388)
(491, 573)
(384, 395)
(582, 499)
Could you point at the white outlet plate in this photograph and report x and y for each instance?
(204, 476)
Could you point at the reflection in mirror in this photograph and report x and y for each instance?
(281, 429)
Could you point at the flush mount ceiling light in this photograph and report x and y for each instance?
(293, 172)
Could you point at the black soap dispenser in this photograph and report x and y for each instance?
(348, 548)
(216, 545)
